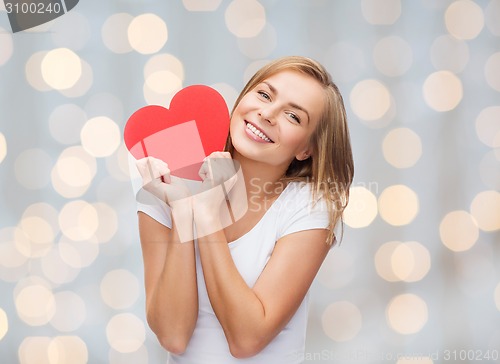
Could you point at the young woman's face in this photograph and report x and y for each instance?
(274, 122)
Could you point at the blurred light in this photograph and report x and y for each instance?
(458, 231)
(398, 205)
(83, 84)
(78, 220)
(100, 136)
(362, 207)
(10, 256)
(338, 270)
(61, 68)
(492, 15)
(4, 324)
(228, 92)
(206, 5)
(492, 71)
(34, 350)
(108, 222)
(485, 208)
(33, 70)
(422, 259)
(381, 12)
(393, 56)
(260, 46)
(78, 254)
(45, 211)
(56, 270)
(32, 168)
(147, 33)
(71, 31)
(3, 147)
(154, 98)
(164, 82)
(488, 126)
(489, 169)
(14, 265)
(114, 33)
(442, 91)
(35, 305)
(65, 123)
(415, 360)
(370, 100)
(140, 356)
(245, 18)
(39, 233)
(67, 349)
(402, 261)
(73, 172)
(464, 19)
(383, 258)
(120, 289)
(164, 62)
(70, 312)
(346, 61)
(117, 164)
(6, 46)
(341, 321)
(125, 333)
(497, 296)
(398, 261)
(449, 53)
(402, 147)
(407, 314)
(252, 68)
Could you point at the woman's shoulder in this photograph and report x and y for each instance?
(300, 195)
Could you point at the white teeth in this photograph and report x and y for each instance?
(258, 132)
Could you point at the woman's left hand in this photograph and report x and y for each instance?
(218, 173)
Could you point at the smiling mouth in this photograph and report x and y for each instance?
(257, 132)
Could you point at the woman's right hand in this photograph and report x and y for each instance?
(157, 180)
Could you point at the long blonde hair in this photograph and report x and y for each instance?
(330, 169)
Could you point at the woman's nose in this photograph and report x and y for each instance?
(268, 114)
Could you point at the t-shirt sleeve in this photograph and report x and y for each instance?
(154, 207)
(299, 213)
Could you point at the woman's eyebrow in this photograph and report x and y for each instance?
(291, 104)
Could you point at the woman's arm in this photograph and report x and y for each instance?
(252, 317)
(170, 281)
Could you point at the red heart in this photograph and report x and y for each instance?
(196, 125)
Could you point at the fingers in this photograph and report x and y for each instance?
(204, 171)
(217, 168)
(152, 168)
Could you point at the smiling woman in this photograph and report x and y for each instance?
(218, 297)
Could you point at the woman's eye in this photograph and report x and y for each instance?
(294, 117)
(264, 95)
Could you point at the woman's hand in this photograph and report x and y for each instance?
(157, 180)
(219, 176)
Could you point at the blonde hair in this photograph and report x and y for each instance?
(330, 168)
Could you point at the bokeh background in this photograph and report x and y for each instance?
(417, 276)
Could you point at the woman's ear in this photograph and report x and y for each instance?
(304, 155)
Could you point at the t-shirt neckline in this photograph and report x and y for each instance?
(232, 243)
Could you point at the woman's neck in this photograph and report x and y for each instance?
(261, 179)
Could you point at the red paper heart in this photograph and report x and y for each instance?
(196, 125)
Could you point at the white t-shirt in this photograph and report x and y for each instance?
(292, 211)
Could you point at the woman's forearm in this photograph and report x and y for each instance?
(172, 310)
